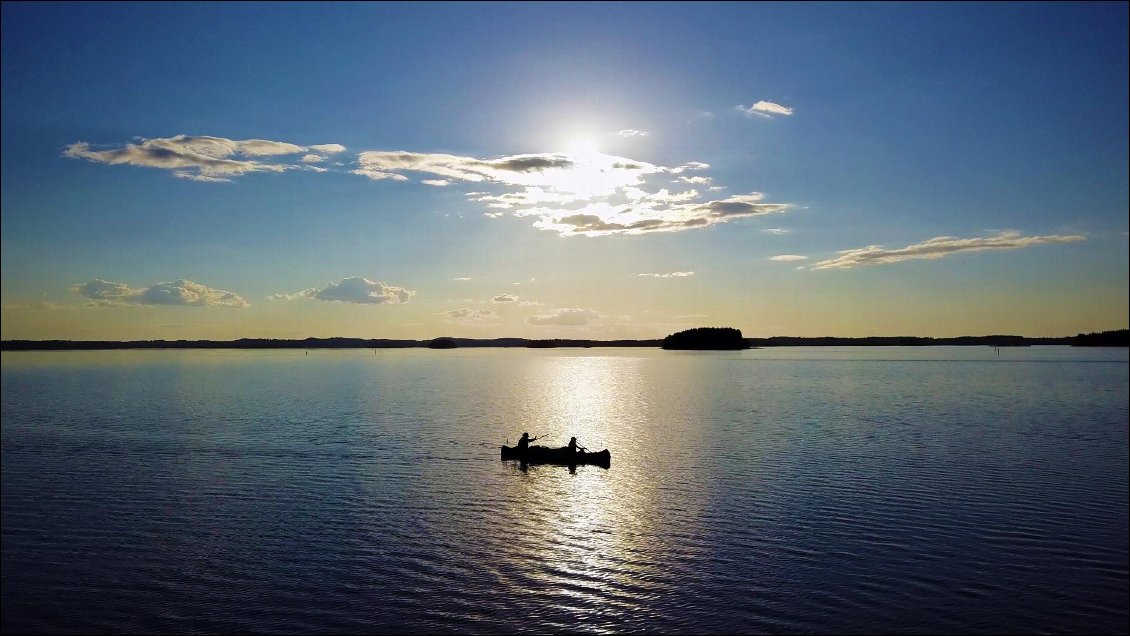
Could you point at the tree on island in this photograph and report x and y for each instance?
(1117, 338)
(709, 338)
(442, 343)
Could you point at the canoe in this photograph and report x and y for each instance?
(560, 456)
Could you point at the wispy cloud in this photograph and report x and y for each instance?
(578, 194)
(788, 257)
(565, 318)
(505, 298)
(633, 133)
(671, 275)
(39, 305)
(467, 314)
(777, 231)
(938, 247)
(462, 278)
(181, 292)
(201, 158)
(586, 194)
(766, 109)
(357, 289)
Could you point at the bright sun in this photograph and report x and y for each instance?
(581, 146)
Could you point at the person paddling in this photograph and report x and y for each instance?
(573, 446)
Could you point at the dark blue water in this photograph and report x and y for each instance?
(909, 490)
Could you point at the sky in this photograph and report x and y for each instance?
(562, 170)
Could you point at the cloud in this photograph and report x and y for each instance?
(505, 298)
(776, 231)
(462, 278)
(467, 314)
(181, 292)
(633, 133)
(671, 275)
(586, 194)
(565, 318)
(328, 148)
(589, 194)
(938, 247)
(199, 158)
(766, 109)
(788, 257)
(39, 305)
(357, 289)
(696, 180)
(516, 169)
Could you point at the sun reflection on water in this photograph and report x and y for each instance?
(587, 540)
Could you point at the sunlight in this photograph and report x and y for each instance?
(581, 146)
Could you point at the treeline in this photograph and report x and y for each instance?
(309, 343)
(1118, 338)
(906, 341)
(701, 338)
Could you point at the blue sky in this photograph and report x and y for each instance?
(562, 170)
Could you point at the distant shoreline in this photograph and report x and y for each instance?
(1107, 339)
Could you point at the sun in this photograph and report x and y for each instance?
(581, 146)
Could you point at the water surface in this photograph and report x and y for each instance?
(934, 489)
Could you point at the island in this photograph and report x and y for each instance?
(707, 338)
(443, 343)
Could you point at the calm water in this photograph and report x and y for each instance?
(774, 490)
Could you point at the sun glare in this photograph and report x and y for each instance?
(581, 146)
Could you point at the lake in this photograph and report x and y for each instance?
(848, 490)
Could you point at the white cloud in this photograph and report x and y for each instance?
(776, 231)
(181, 292)
(565, 318)
(200, 158)
(697, 180)
(766, 109)
(462, 278)
(938, 247)
(505, 298)
(601, 219)
(587, 194)
(671, 275)
(633, 133)
(467, 314)
(357, 289)
(691, 165)
(789, 257)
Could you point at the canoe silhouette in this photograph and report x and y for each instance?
(560, 456)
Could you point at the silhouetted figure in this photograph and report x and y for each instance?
(524, 443)
(574, 446)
